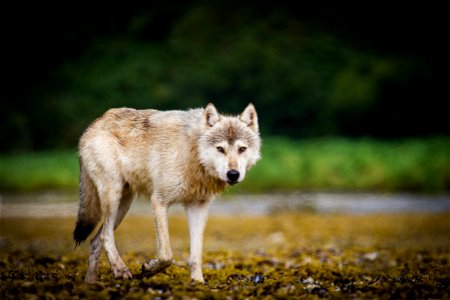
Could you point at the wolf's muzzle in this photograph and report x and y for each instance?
(233, 176)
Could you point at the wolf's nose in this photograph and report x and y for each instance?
(233, 175)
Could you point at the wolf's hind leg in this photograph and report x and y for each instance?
(111, 206)
(96, 242)
(94, 257)
(124, 206)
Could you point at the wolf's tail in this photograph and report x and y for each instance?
(89, 212)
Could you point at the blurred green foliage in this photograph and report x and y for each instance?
(306, 77)
(338, 164)
(335, 164)
(27, 172)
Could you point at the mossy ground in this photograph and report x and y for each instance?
(278, 256)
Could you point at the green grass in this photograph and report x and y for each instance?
(340, 164)
(337, 164)
(27, 172)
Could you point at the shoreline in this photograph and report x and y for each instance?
(53, 204)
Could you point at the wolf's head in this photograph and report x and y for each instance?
(229, 146)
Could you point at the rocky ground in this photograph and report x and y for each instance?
(276, 255)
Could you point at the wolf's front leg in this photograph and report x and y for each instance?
(165, 257)
(197, 217)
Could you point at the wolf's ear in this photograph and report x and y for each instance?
(249, 117)
(210, 115)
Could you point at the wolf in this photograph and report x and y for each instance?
(184, 157)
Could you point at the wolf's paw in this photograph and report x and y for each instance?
(154, 266)
(196, 273)
(198, 278)
(122, 273)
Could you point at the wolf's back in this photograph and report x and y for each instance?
(89, 211)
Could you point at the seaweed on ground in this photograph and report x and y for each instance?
(280, 256)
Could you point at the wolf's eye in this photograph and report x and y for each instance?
(220, 149)
(242, 149)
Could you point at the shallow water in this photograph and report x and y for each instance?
(54, 204)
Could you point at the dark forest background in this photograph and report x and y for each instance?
(368, 70)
